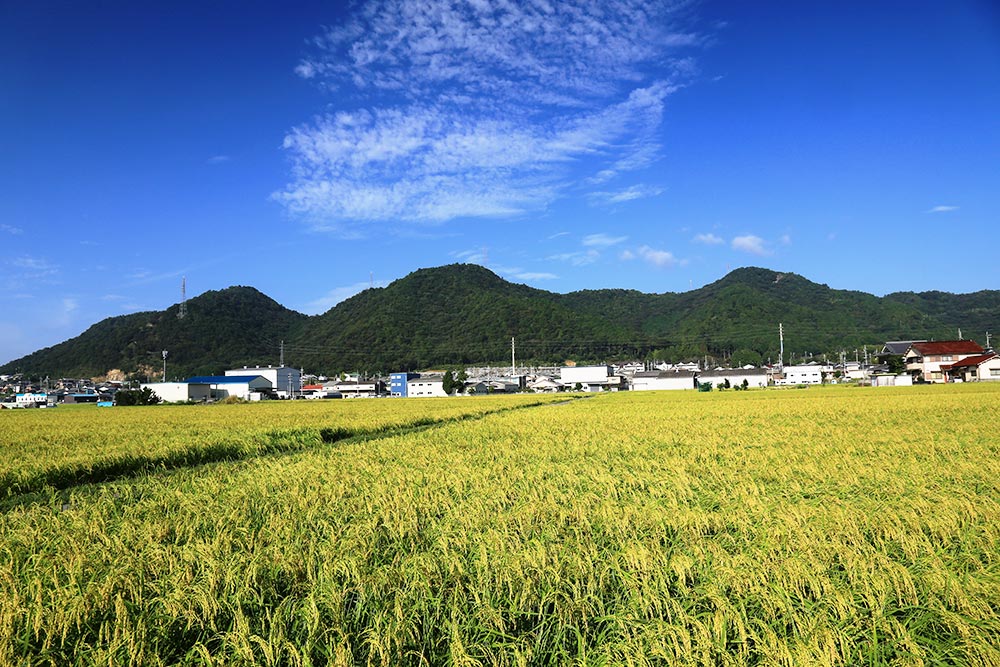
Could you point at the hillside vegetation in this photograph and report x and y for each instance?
(464, 313)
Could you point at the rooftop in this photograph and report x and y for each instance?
(947, 347)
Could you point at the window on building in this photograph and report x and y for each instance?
(995, 372)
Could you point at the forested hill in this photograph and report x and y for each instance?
(464, 313)
(223, 328)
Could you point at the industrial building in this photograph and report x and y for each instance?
(285, 380)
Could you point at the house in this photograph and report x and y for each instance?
(31, 400)
(545, 385)
(246, 387)
(897, 347)
(359, 388)
(851, 370)
(591, 378)
(802, 374)
(631, 368)
(659, 380)
(754, 377)
(477, 387)
(924, 360)
(180, 392)
(398, 383)
(84, 398)
(980, 368)
(426, 385)
(285, 380)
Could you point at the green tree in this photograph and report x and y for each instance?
(144, 396)
(448, 383)
(895, 363)
(745, 356)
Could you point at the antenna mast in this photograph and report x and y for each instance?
(184, 306)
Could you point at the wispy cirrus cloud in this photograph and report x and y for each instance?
(218, 159)
(535, 275)
(942, 209)
(470, 256)
(10, 229)
(630, 193)
(338, 294)
(708, 239)
(480, 110)
(579, 258)
(602, 240)
(754, 245)
(32, 268)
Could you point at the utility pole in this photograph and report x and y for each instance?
(960, 333)
(987, 340)
(513, 372)
(281, 354)
(781, 356)
(164, 365)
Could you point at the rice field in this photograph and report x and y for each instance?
(843, 526)
(84, 443)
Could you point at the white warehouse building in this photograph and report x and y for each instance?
(180, 392)
(659, 380)
(803, 374)
(590, 378)
(247, 387)
(282, 378)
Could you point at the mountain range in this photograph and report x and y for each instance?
(465, 314)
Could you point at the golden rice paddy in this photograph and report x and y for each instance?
(845, 526)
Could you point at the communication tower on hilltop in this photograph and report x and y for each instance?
(184, 306)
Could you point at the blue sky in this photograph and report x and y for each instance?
(308, 149)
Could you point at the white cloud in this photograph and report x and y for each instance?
(33, 268)
(628, 194)
(338, 294)
(577, 258)
(751, 244)
(557, 235)
(11, 229)
(786, 239)
(661, 258)
(478, 109)
(602, 240)
(942, 209)
(218, 159)
(626, 255)
(470, 256)
(529, 275)
(708, 239)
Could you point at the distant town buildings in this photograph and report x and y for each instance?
(916, 362)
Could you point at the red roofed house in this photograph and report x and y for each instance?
(980, 368)
(925, 359)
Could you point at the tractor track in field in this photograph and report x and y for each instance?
(38, 489)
